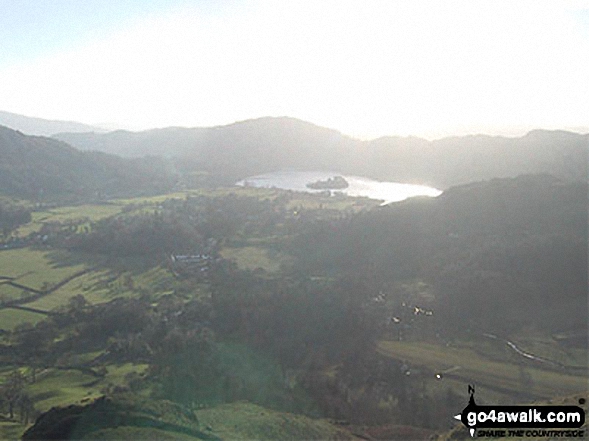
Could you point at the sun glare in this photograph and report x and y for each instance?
(367, 69)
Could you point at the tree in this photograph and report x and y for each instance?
(26, 407)
(12, 391)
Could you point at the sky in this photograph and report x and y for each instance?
(367, 68)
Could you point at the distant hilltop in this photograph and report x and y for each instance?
(43, 127)
(223, 155)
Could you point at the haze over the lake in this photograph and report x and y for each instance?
(356, 186)
(367, 69)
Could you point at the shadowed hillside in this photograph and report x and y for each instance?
(44, 169)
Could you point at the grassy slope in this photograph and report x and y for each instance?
(89, 285)
(244, 420)
(63, 387)
(78, 213)
(102, 286)
(57, 387)
(9, 292)
(128, 416)
(472, 367)
(251, 258)
(33, 268)
(11, 318)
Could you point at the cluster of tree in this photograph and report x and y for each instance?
(189, 363)
(14, 399)
(150, 235)
(180, 226)
(11, 216)
(298, 320)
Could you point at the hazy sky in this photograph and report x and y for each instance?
(367, 68)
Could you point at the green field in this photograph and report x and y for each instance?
(150, 200)
(90, 285)
(339, 203)
(61, 388)
(35, 268)
(64, 387)
(251, 258)
(472, 367)
(546, 347)
(58, 387)
(102, 286)
(10, 430)
(9, 292)
(243, 420)
(78, 214)
(261, 193)
(11, 318)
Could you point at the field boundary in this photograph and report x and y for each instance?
(39, 294)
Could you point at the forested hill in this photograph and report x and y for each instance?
(268, 144)
(498, 255)
(44, 169)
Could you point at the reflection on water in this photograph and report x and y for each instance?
(358, 186)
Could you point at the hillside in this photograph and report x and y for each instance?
(128, 416)
(164, 142)
(459, 160)
(263, 145)
(498, 255)
(44, 169)
(234, 151)
(228, 312)
(42, 127)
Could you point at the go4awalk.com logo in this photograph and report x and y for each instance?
(522, 421)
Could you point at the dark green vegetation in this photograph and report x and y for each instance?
(232, 313)
(497, 256)
(12, 215)
(137, 298)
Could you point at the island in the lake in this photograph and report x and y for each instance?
(335, 183)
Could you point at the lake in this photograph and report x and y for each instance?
(358, 186)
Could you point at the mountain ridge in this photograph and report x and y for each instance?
(228, 153)
(43, 127)
(268, 144)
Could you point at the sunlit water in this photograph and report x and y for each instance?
(358, 186)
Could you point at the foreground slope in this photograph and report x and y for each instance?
(128, 416)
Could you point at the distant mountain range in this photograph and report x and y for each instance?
(236, 151)
(45, 169)
(42, 127)
(263, 145)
